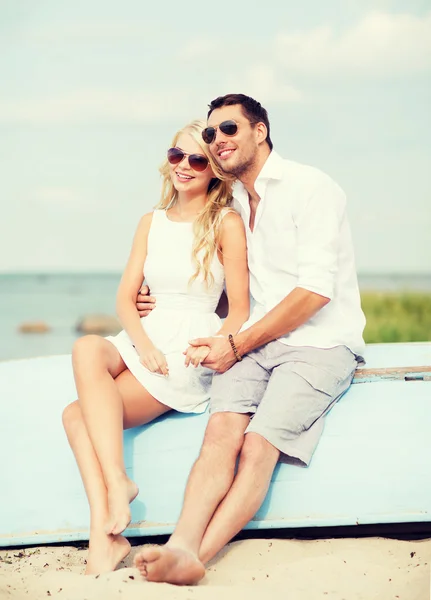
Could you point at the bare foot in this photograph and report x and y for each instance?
(120, 495)
(170, 565)
(105, 553)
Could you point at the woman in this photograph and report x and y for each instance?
(187, 250)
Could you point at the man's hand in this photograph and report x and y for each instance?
(144, 302)
(221, 356)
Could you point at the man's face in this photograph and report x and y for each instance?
(235, 154)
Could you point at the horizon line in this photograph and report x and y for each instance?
(120, 271)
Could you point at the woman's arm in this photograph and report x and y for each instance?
(130, 284)
(233, 246)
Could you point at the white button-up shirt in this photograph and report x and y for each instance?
(301, 238)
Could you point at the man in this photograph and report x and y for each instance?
(276, 379)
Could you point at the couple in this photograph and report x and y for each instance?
(274, 370)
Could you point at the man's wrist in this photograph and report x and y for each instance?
(242, 343)
(237, 355)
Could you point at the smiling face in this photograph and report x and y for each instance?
(235, 154)
(184, 178)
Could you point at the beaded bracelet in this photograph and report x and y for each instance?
(235, 351)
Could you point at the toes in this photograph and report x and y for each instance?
(141, 559)
(117, 529)
(138, 561)
(109, 527)
(117, 526)
(150, 555)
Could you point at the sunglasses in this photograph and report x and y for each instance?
(198, 162)
(229, 127)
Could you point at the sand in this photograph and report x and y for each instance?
(252, 569)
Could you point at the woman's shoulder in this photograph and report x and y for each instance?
(156, 214)
(146, 220)
(231, 218)
(231, 228)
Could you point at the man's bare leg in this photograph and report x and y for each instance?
(256, 465)
(209, 482)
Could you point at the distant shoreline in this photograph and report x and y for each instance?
(115, 273)
(368, 282)
(397, 308)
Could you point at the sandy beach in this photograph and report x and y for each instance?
(346, 568)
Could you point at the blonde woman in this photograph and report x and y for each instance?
(186, 249)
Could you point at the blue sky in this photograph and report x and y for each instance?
(92, 92)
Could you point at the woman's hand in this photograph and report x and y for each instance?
(196, 355)
(154, 360)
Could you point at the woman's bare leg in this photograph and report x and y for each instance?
(138, 407)
(105, 551)
(96, 364)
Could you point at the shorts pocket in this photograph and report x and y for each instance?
(320, 379)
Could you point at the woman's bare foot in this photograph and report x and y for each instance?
(105, 553)
(120, 494)
(170, 565)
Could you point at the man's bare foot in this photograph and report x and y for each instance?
(120, 495)
(105, 553)
(170, 565)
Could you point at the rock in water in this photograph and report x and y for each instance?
(99, 324)
(34, 327)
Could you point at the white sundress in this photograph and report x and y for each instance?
(182, 312)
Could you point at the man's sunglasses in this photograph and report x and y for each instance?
(198, 162)
(229, 127)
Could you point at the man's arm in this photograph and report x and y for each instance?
(318, 224)
(294, 310)
(318, 233)
(145, 303)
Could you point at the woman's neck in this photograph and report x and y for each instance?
(187, 208)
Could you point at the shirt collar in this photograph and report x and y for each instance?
(272, 169)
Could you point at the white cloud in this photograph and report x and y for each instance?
(257, 77)
(59, 197)
(380, 43)
(96, 105)
(264, 82)
(82, 31)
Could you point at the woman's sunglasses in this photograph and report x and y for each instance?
(198, 162)
(229, 127)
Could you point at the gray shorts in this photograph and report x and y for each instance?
(287, 390)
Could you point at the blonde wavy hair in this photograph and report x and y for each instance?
(207, 225)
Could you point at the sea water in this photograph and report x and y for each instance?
(62, 299)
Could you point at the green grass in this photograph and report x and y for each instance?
(397, 317)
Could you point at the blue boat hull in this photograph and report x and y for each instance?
(372, 464)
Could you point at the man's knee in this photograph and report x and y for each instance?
(256, 450)
(225, 433)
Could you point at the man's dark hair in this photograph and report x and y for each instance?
(251, 108)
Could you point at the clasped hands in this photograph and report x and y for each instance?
(214, 353)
